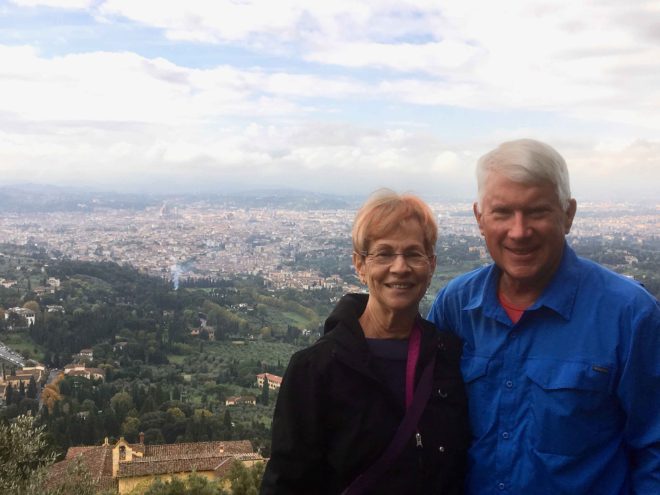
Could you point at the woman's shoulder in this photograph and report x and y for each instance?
(445, 340)
(317, 353)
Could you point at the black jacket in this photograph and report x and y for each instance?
(334, 416)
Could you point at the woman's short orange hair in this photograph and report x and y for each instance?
(384, 211)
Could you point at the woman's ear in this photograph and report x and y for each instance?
(434, 262)
(360, 267)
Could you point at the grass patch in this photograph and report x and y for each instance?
(296, 319)
(22, 343)
(268, 352)
(176, 359)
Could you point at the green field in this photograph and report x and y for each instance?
(22, 343)
(266, 352)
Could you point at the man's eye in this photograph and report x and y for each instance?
(540, 213)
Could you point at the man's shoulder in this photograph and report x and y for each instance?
(609, 282)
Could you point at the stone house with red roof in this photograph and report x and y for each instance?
(84, 371)
(123, 466)
(250, 400)
(274, 381)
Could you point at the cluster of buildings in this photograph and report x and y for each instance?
(274, 383)
(17, 372)
(21, 378)
(18, 317)
(192, 241)
(51, 284)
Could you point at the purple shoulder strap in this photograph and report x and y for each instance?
(402, 435)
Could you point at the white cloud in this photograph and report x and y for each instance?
(63, 4)
(210, 20)
(588, 60)
(338, 63)
(434, 58)
(624, 162)
(105, 86)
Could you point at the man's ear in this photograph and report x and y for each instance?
(570, 215)
(477, 215)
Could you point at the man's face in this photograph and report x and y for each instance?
(524, 227)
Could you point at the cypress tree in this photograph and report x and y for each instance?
(265, 391)
(32, 389)
(9, 394)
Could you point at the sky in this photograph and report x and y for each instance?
(328, 96)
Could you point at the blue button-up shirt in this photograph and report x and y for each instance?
(567, 400)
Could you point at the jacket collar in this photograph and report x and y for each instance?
(350, 337)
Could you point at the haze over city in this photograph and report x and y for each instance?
(333, 97)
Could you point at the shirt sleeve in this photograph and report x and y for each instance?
(639, 393)
(296, 462)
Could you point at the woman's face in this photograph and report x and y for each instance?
(397, 282)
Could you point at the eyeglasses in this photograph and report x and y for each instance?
(415, 259)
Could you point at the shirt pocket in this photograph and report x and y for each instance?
(573, 410)
(480, 393)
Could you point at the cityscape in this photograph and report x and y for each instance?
(192, 239)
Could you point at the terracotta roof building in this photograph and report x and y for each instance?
(123, 466)
(96, 460)
(241, 399)
(274, 381)
(82, 370)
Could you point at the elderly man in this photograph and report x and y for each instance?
(561, 357)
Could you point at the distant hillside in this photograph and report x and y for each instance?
(33, 198)
(36, 198)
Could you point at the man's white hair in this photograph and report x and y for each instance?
(529, 162)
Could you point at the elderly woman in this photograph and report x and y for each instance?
(344, 399)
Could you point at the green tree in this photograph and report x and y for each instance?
(9, 395)
(227, 423)
(24, 457)
(121, 402)
(154, 436)
(265, 390)
(244, 480)
(32, 305)
(130, 428)
(194, 485)
(32, 389)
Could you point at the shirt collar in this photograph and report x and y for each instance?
(558, 296)
(560, 293)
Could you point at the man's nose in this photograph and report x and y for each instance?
(519, 226)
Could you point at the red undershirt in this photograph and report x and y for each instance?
(514, 312)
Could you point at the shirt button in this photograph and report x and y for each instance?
(509, 384)
(505, 435)
(501, 486)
